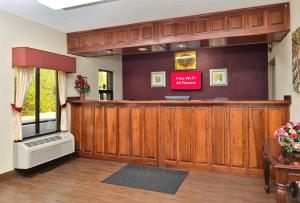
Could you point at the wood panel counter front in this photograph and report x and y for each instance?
(216, 136)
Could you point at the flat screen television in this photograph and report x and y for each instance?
(177, 97)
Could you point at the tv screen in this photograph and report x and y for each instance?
(177, 97)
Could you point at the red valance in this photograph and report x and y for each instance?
(29, 57)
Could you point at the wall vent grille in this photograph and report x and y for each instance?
(43, 141)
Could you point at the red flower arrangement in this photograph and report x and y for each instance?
(289, 136)
(81, 85)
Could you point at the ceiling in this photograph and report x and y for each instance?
(119, 12)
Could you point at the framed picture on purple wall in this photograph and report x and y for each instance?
(158, 79)
(185, 60)
(218, 77)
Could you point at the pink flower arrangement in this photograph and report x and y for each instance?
(289, 136)
(81, 85)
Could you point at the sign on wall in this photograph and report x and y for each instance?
(186, 80)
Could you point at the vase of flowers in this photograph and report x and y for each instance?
(289, 138)
(82, 86)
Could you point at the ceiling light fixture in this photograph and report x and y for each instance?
(109, 51)
(181, 45)
(142, 49)
(61, 4)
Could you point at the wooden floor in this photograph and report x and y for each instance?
(79, 181)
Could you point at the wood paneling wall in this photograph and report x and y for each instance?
(212, 137)
(259, 21)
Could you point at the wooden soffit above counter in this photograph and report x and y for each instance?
(263, 24)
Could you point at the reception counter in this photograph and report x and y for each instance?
(215, 136)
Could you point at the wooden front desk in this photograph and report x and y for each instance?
(216, 136)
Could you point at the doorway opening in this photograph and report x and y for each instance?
(105, 84)
(272, 79)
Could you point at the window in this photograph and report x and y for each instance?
(40, 114)
(105, 85)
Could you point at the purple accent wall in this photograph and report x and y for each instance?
(247, 73)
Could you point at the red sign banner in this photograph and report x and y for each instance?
(186, 80)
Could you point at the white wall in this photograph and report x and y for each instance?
(15, 32)
(89, 68)
(282, 52)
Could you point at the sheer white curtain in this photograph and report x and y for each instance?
(62, 99)
(23, 80)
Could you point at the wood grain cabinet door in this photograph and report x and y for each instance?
(166, 30)
(97, 38)
(256, 19)
(200, 26)
(73, 42)
(185, 133)
(168, 134)
(277, 118)
(278, 17)
(137, 133)
(99, 130)
(237, 136)
(108, 36)
(124, 130)
(134, 34)
(175, 30)
(76, 126)
(121, 35)
(151, 131)
(257, 132)
(237, 22)
(148, 32)
(219, 24)
(87, 128)
(183, 28)
(111, 130)
(202, 139)
(84, 40)
(219, 136)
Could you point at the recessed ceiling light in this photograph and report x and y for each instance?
(60, 4)
(142, 49)
(109, 51)
(181, 45)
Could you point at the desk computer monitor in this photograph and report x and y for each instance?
(177, 97)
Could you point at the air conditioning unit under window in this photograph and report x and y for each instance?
(36, 151)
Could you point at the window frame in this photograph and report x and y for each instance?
(37, 121)
(111, 90)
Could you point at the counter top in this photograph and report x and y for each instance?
(186, 102)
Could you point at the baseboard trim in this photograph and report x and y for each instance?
(8, 176)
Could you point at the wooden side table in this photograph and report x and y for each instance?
(287, 170)
(271, 148)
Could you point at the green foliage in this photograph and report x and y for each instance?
(47, 91)
(29, 103)
(47, 94)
